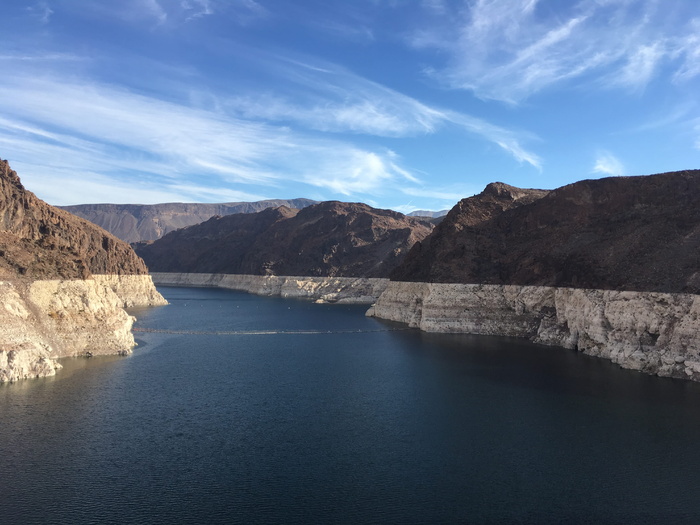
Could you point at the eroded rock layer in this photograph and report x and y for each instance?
(655, 332)
(357, 290)
(64, 284)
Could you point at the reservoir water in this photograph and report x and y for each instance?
(349, 422)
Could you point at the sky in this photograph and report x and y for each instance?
(401, 104)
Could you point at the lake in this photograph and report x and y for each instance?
(238, 419)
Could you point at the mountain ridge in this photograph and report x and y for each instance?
(144, 222)
(621, 233)
(327, 239)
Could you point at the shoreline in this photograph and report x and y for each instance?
(653, 332)
(343, 290)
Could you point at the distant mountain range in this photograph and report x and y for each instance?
(148, 222)
(426, 213)
(328, 239)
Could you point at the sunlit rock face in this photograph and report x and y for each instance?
(657, 333)
(64, 284)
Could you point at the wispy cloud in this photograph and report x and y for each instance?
(156, 10)
(169, 14)
(197, 8)
(90, 128)
(41, 11)
(607, 164)
(370, 173)
(510, 53)
(333, 99)
(42, 57)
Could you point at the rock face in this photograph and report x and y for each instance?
(610, 267)
(619, 233)
(657, 333)
(348, 290)
(142, 222)
(64, 283)
(329, 239)
(39, 241)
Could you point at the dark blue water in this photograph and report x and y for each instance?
(363, 427)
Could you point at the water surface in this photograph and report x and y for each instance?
(364, 426)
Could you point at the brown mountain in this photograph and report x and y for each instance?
(327, 239)
(621, 233)
(39, 241)
(147, 222)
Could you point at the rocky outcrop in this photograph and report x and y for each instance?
(43, 320)
(355, 290)
(38, 241)
(657, 333)
(149, 222)
(617, 233)
(64, 284)
(610, 267)
(329, 239)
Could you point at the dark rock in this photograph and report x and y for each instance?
(329, 239)
(620, 233)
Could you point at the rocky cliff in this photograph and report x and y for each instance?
(610, 267)
(657, 333)
(148, 222)
(64, 283)
(329, 239)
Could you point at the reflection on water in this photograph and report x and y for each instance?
(399, 427)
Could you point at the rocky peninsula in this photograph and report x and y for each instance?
(64, 284)
(610, 267)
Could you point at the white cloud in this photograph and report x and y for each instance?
(332, 99)
(370, 173)
(641, 66)
(508, 53)
(608, 164)
(89, 129)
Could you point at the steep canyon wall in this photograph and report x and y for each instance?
(657, 333)
(44, 320)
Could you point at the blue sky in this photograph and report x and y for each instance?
(408, 104)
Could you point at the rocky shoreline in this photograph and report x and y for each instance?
(45, 320)
(653, 332)
(355, 290)
(657, 333)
